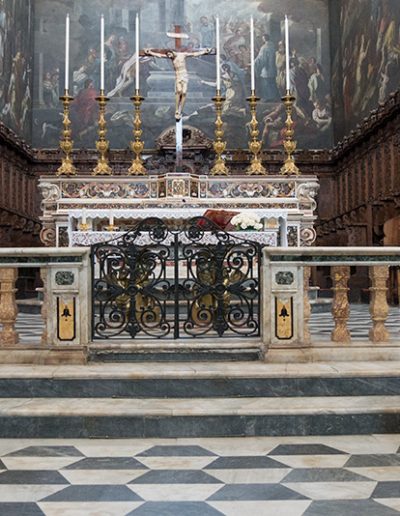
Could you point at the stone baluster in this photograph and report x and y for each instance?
(45, 306)
(8, 307)
(340, 305)
(307, 306)
(379, 308)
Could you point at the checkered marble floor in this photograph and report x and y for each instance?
(30, 326)
(292, 476)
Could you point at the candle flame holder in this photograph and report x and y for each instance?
(289, 167)
(102, 145)
(219, 168)
(83, 226)
(137, 145)
(66, 144)
(255, 145)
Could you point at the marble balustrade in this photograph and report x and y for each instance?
(286, 282)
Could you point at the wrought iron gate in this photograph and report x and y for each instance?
(155, 282)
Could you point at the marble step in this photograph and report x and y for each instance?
(169, 351)
(199, 417)
(201, 380)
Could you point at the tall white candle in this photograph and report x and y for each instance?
(287, 53)
(67, 29)
(253, 75)
(137, 53)
(218, 50)
(102, 53)
(111, 218)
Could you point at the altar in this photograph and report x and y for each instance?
(81, 211)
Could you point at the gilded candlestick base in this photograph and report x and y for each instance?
(111, 227)
(289, 167)
(102, 145)
(137, 168)
(255, 145)
(83, 226)
(219, 168)
(66, 144)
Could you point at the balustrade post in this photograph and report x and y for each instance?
(340, 305)
(307, 305)
(379, 308)
(8, 307)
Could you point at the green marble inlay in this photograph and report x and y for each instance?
(39, 259)
(337, 259)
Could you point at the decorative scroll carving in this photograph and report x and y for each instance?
(8, 307)
(48, 234)
(340, 306)
(307, 192)
(379, 308)
(306, 305)
(50, 192)
(307, 236)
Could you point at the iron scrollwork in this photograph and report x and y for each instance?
(160, 283)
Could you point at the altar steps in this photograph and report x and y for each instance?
(199, 399)
(176, 351)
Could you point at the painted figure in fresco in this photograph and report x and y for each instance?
(84, 109)
(265, 64)
(206, 32)
(181, 74)
(317, 86)
(280, 60)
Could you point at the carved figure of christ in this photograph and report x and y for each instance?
(178, 59)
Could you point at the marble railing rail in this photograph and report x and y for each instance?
(286, 305)
(65, 274)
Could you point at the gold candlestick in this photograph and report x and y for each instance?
(289, 167)
(255, 145)
(66, 144)
(137, 168)
(219, 168)
(102, 168)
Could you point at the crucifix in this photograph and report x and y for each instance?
(178, 57)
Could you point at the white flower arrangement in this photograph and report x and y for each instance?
(247, 220)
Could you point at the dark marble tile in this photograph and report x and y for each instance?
(244, 462)
(176, 451)
(92, 493)
(371, 461)
(2, 465)
(169, 476)
(175, 509)
(323, 475)
(46, 451)
(349, 508)
(107, 463)
(34, 477)
(387, 490)
(249, 492)
(304, 449)
(20, 509)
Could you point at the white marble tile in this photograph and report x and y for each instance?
(333, 490)
(176, 462)
(113, 449)
(381, 474)
(88, 508)
(53, 463)
(362, 444)
(101, 476)
(27, 492)
(262, 508)
(249, 476)
(312, 461)
(393, 503)
(175, 492)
